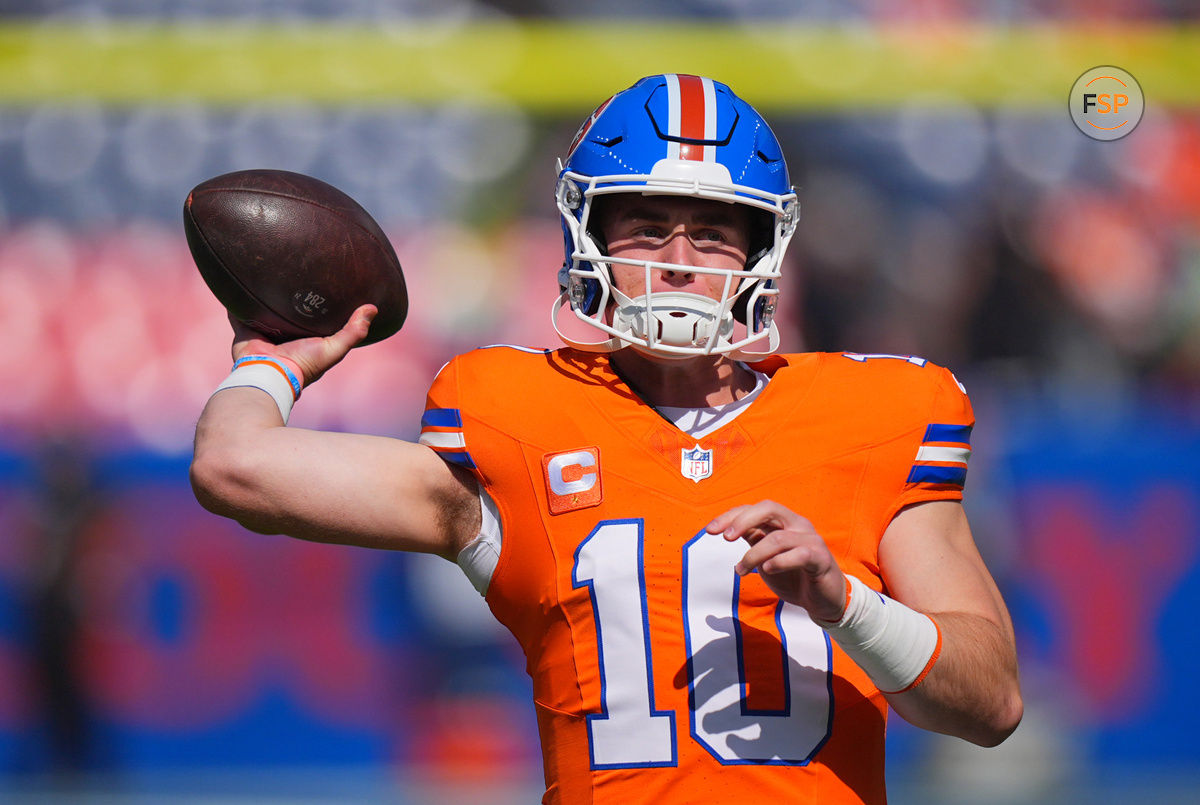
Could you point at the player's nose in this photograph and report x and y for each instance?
(679, 250)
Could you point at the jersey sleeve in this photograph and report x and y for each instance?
(442, 427)
(458, 427)
(941, 451)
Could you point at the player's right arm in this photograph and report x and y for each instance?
(345, 488)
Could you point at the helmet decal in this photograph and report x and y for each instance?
(587, 125)
(691, 118)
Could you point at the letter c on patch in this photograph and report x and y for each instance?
(573, 479)
(556, 471)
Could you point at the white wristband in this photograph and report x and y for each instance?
(894, 644)
(266, 374)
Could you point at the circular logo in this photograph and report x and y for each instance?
(1106, 103)
(309, 303)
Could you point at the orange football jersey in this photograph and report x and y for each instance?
(658, 674)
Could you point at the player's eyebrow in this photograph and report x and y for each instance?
(642, 212)
(708, 216)
(716, 216)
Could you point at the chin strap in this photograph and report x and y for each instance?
(632, 317)
(564, 301)
(752, 355)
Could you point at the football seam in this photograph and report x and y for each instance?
(385, 245)
(237, 280)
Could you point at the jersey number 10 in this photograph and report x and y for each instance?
(629, 731)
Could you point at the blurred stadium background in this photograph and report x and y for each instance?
(150, 652)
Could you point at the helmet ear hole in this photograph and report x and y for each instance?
(764, 307)
(597, 215)
(585, 295)
(762, 235)
(741, 303)
(761, 242)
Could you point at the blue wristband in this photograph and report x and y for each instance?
(278, 364)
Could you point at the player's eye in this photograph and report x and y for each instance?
(647, 232)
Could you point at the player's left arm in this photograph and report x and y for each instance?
(944, 642)
(929, 562)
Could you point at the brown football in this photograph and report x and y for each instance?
(292, 256)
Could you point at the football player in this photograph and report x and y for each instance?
(723, 565)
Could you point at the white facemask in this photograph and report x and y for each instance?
(672, 319)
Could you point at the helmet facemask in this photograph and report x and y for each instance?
(681, 136)
(673, 324)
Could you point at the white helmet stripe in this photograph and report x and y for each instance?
(710, 119)
(673, 115)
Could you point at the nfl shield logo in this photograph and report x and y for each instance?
(696, 463)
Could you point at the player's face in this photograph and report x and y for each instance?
(670, 229)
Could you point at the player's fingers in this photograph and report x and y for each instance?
(242, 334)
(766, 553)
(803, 558)
(755, 521)
(722, 521)
(318, 355)
(762, 517)
(310, 358)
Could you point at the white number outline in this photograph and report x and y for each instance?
(797, 617)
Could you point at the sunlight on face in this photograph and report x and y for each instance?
(678, 230)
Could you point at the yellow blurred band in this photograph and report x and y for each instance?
(565, 67)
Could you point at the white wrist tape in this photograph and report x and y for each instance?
(895, 645)
(266, 374)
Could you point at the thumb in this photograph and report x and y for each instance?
(354, 331)
(319, 355)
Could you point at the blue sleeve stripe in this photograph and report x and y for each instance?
(933, 474)
(463, 458)
(442, 418)
(959, 434)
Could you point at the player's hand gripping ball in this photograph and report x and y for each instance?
(291, 256)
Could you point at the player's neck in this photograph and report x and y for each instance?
(702, 382)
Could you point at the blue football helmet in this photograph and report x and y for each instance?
(677, 135)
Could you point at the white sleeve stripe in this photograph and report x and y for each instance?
(958, 455)
(442, 439)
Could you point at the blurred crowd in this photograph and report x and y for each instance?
(980, 239)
